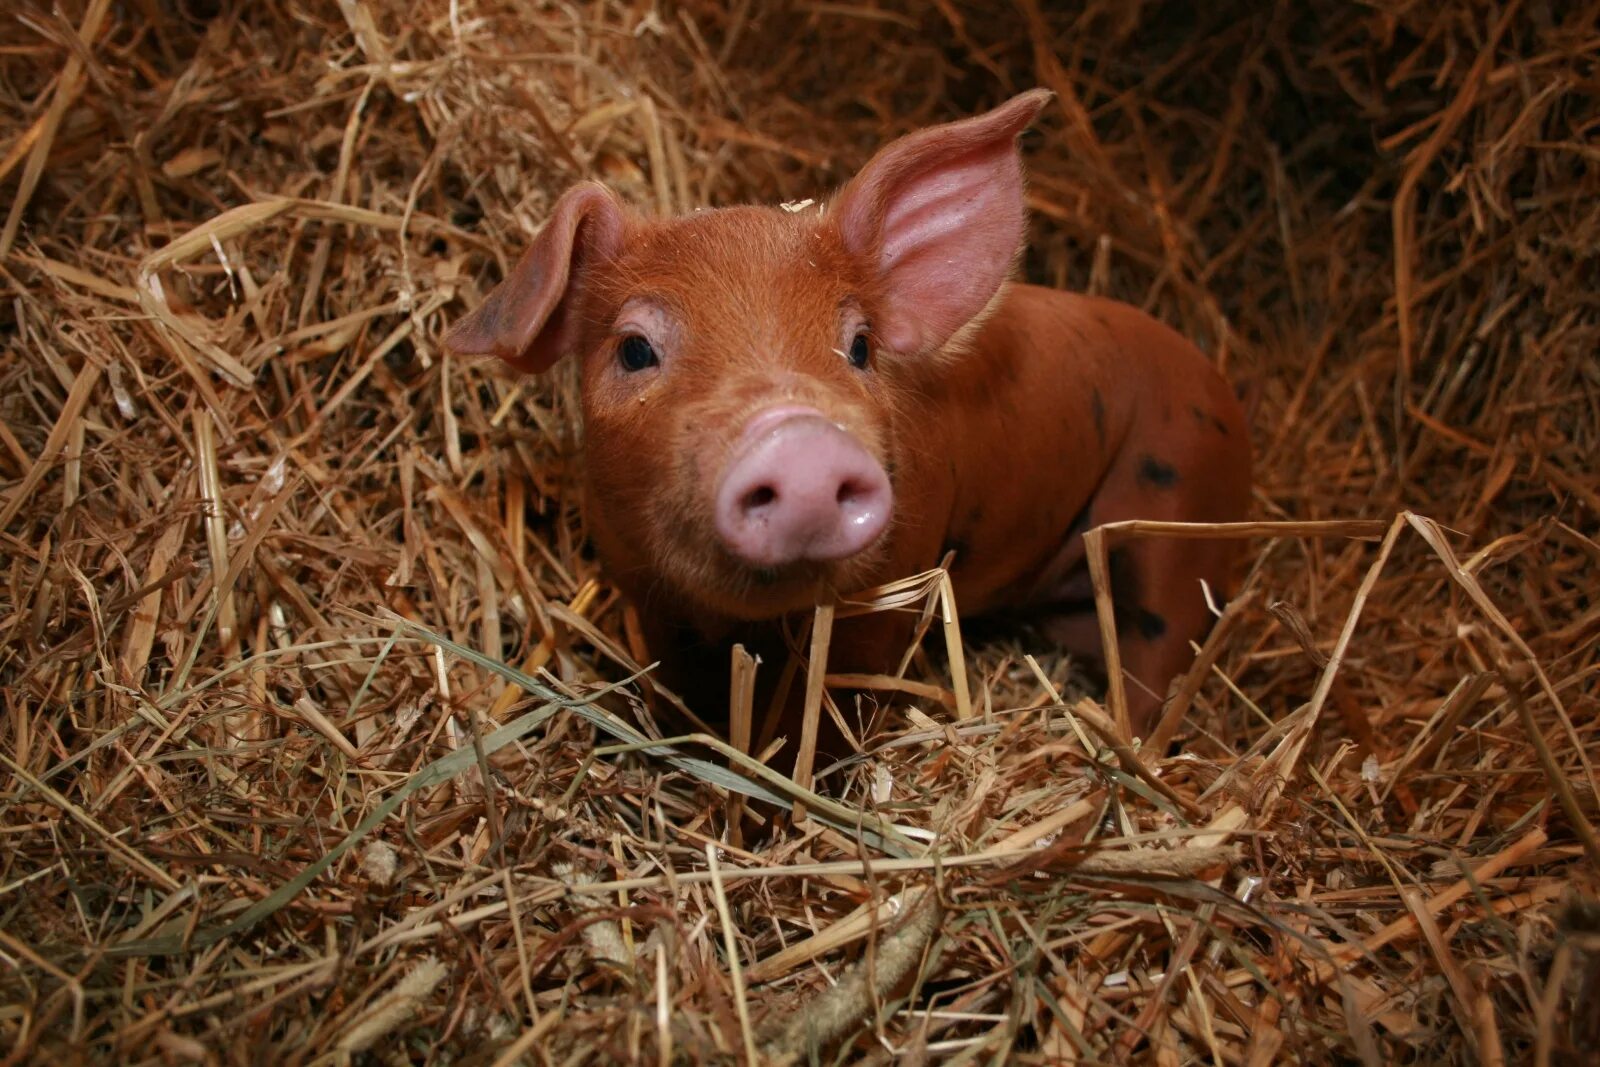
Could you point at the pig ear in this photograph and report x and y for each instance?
(941, 214)
(530, 319)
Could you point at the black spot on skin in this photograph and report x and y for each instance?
(764, 575)
(974, 517)
(1150, 625)
(1097, 404)
(1153, 471)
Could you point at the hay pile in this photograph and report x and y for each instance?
(247, 816)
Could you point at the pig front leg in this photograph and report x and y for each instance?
(697, 668)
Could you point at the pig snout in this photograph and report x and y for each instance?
(800, 487)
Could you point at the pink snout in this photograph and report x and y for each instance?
(800, 488)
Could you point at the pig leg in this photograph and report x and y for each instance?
(1161, 608)
(865, 644)
(1160, 605)
(697, 669)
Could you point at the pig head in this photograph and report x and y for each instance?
(748, 373)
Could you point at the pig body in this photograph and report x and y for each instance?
(785, 405)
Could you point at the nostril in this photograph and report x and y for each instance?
(759, 497)
(850, 491)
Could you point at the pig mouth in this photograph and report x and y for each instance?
(757, 593)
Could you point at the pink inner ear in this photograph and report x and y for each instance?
(948, 242)
(941, 212)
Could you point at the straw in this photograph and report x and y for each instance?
(324, 733)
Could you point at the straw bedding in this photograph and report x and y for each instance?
(309, 751)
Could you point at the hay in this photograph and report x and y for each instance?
(249, 816)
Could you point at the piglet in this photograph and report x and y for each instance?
(784, 405)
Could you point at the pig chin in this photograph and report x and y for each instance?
(737, 590)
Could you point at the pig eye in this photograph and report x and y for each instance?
(860, 351)
(635, 354)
